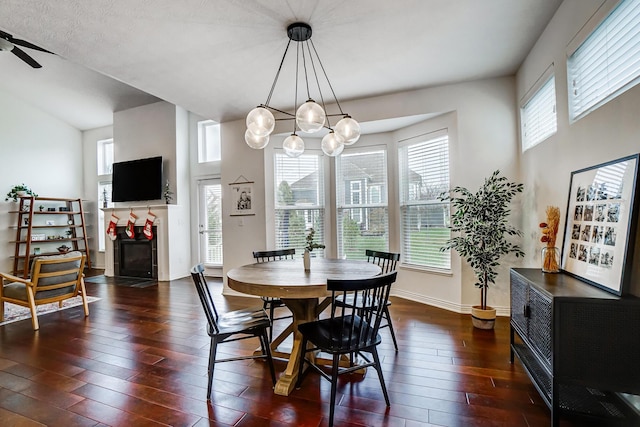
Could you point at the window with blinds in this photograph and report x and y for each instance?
(361, 203)
(538, 115)
(424, 175)
(607, 63)
(299, 200)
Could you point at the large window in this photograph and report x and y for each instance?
(299, 200)
(361, 199)
(607, 63)
(105, 156)
(105, 169)
(538, 116)
(424, 174)
(208, 141)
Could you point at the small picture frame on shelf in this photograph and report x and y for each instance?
(63, 209)
(36, 251)
(37, 237)
(51, 209)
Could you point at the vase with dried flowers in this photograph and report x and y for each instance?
(550, 253)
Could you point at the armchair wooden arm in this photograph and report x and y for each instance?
(12, 278)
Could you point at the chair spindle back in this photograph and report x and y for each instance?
(361, 320)
(197, 273)
(386, 260)
(279, 254)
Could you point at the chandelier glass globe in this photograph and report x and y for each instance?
(260, 121)
(293, 145)
(348, 129)
(332, 144)
(256, 141)
(310, 117)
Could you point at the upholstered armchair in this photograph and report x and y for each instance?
(52, 279)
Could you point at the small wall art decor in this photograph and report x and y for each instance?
(241, 197)
(600, 224)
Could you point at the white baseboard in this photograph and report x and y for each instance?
(444, 304)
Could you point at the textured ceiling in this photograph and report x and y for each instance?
(218, 58)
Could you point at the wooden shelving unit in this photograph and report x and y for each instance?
(31, 220)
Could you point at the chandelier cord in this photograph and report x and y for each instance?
(275, 80)
(295, 100)
(315, 73)
(326, 77)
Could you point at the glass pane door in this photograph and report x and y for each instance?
(210, 222)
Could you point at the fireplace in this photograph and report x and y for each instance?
(137, 257)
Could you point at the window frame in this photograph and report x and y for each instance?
(598, 21)
(361, 212)
(404, 202)
(204, 149)
(271, 192)
(538, 93)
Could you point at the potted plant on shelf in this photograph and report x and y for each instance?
(481, 220)
(167, 194)
(19, 190)
(311, 245)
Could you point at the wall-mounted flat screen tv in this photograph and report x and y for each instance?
(137, 180)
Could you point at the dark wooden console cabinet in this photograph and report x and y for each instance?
(579, 345)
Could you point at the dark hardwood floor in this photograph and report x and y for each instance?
(140, 359)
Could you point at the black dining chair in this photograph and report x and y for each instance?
(350, 329)
(387, 261)
(231, 326)
(271, 303)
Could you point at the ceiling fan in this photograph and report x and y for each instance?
(9, 43)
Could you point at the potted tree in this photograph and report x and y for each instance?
(481, 220)
(19, 190)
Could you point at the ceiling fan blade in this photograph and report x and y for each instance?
(25, 43)
(26, 58)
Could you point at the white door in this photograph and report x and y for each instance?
(210, 222)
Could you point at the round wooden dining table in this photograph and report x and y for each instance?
(300, 291)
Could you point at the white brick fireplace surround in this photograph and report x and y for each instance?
(172, 232)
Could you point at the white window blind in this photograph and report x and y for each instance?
(299, 200)
(607, 63)
(212, 234)
(538, 115)
(361, 202)
(424, 175)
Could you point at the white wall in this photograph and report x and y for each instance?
(608, 133)
(40, 151)
(484, 128)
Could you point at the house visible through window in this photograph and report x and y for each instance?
(361, 202)
(423, 176)
(299, 200)
(208, 141)
(607, 63)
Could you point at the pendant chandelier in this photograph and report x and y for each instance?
(310, 116)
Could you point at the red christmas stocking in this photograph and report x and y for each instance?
(111, 229)
(130, 226)
(148, 226)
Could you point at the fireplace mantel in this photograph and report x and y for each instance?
(172, 228)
